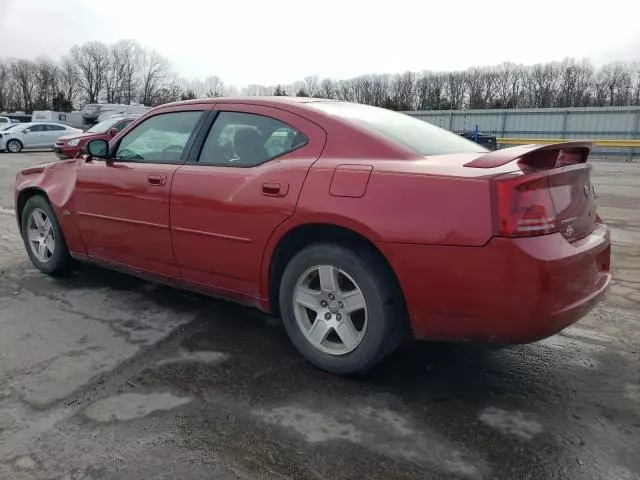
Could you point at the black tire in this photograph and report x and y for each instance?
(386, 323)
(60, 261)
(17, 143)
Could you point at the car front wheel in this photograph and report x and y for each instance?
(14, 146)
(43, 237)
(340, 307)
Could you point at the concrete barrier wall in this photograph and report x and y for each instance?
(591, 123)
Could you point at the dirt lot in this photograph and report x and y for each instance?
(103, 376)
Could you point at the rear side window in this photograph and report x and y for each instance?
(246, 140)
(51, 128)
(120, 126)
(422, 137)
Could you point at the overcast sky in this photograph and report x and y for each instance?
(280, 41)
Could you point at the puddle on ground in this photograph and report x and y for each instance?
(129, 406)
(376, 428)
(204, 356)
(513, 423)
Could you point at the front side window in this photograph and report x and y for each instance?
(246, 140)
(35, 128)
(161, 138)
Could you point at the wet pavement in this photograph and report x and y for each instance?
(104, 376)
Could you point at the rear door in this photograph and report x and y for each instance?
(241, 182)
(123, 203)
(53, 133)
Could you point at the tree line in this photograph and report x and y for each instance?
(128, 73)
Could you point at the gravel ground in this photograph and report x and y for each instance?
(104, 376)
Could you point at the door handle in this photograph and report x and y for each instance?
(157, 180)
(275, 189)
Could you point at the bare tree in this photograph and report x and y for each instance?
(69, 82)
(327, 88)
(213, 87)
(312, 86)
(92, 60)
(46, 73)
(542, 84)
(4, 86)
(256, 90)
(635, 68)
(575, 83)
(154, 75)
(456, 89)
(24, 75)
(508, 85)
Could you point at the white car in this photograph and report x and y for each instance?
(20, 136)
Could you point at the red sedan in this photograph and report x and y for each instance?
(70, 146)
(356, 224)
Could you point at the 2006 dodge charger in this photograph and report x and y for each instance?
(356, 224)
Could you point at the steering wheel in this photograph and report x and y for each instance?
(129, 155)
(176, 149)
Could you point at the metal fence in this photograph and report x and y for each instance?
(591, 123)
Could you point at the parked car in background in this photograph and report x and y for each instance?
(485, 139)
(357, 225)
(7, 120)
(17, 117)
(32, 135)
(70, 146)
(93, 113)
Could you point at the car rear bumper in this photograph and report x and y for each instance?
(508, 291)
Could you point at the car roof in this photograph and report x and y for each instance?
(31, 124)
(256, 100)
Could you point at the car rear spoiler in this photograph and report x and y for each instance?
(550, 155)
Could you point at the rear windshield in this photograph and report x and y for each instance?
(422, 137)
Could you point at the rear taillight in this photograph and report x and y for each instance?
(523, 207)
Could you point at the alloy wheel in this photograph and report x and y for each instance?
(330, 309)
(40, 235)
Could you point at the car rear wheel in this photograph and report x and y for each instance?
(340, 307)
(43, 237)
(14, 146)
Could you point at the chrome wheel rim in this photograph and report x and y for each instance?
(40, 236)
(14, 147)
(330, 309)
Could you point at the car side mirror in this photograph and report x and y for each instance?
(113, 132)
(26, 131)
(98, 149)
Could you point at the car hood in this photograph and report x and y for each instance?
(83, 135)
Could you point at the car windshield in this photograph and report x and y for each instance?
(104, 126)
(422, 137)
(9, 126)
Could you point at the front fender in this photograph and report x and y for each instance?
(57, 182)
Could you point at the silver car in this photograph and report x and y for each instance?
(21, 136)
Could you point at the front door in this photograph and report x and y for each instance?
(34, 137)
(122, 202)
(241, 182)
